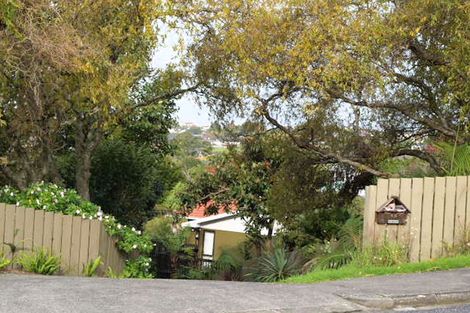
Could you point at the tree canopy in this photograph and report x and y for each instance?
(350, 82)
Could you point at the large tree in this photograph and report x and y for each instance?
(350, 82)
(67, 78)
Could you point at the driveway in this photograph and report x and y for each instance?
(43, 294)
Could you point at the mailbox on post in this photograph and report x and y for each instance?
(392, 212)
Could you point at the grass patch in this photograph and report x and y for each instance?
(354, 271)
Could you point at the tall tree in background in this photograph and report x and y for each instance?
(350, 82)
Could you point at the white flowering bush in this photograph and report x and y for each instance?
(52, 198)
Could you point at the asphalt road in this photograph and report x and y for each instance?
(454, 309)
(58, 294)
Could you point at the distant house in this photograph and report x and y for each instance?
(212, 234)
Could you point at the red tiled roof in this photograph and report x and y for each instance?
(202, 210)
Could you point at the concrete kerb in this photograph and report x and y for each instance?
(387, 302)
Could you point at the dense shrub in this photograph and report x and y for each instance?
(52, 198)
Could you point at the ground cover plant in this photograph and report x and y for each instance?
(39, 261)
(355, 271)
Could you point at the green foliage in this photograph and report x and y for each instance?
(4, 262)
(388, 254)
(137, 268)
(456, 158)
(337, 252)
(91, 267)
(53, 198)
(276, 265)
(125, 181)
(40, 261)
(165, 232)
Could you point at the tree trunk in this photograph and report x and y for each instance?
(86, 141)
(83, 174)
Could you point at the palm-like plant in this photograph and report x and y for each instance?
(277, 264)
(455, 158)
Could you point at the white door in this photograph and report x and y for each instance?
(208, 249)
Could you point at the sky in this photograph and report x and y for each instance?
(188, 110)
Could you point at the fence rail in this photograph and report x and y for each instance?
(77, 241)
(440, 214)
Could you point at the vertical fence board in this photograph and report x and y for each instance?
(2, 227)
(382, 194)
(19, 228)
(449, 216)
(66, 241)
(415, 220)
(57, 234)
(467, 218)
(28, 229)
(460, 210)
(38, 229)
(9, 228)
(369, 216)
(102, 247)
(75, 245)
(403, 236)
(48, 230)
(84, 244)
(438, 217)
(427, 215)
(393, 190)
(93, 251)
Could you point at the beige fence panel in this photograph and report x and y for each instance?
(382, 196)
(9, 228)
(38, 228)
(57, 234)
(439, 218)
(2, 227)
(77, 241)
(415, 218)
(460, 209)
(405, 196)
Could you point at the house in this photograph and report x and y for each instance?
(212, 234)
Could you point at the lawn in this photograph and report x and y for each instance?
(352, 271)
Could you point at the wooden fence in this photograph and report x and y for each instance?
(440, 214)
(77, 241)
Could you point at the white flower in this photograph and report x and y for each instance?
(37, 201)
(78, 212)
(17, 203)
(119, 226)
(62, 194)
(138, 232)
(133, 229)
(147, 264)
(91, 217)
(12, 194)
(134, 247)
(83, 216)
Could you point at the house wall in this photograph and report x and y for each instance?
(225, 240)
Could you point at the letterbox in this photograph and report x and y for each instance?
(392, 212)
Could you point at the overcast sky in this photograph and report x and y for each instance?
(189, 111)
